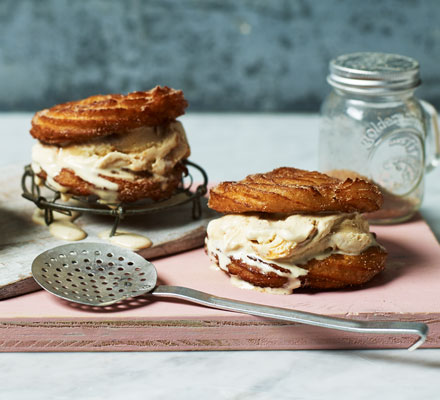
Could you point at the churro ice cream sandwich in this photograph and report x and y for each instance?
(291, 228)
(118, 148)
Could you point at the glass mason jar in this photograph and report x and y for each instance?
(373, 126)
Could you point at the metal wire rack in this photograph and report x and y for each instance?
(186, 192)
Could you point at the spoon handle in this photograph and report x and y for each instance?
(375, 327)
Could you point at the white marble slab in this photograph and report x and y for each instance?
(229, 147)
(241, 375)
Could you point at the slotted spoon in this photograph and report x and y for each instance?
(99, 274)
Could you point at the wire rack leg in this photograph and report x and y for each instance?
(48, 216)
(115, 225)
(196, 208)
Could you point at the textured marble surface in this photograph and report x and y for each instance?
(281, 375)
(225, 54)
(243, 143)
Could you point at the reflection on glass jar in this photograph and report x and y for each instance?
(373, 126)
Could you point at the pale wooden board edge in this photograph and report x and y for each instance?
(18, 288)
(192, 240)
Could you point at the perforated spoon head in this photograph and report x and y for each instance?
(94, 274)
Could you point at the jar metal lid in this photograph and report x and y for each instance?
(374, 73)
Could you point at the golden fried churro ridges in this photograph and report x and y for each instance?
(103, 115)
(291, 190)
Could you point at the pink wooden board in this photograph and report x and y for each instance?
(408, 290)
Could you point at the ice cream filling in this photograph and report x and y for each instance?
(154, 149)
(285, 241)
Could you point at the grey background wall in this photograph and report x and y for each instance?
(227, 55)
